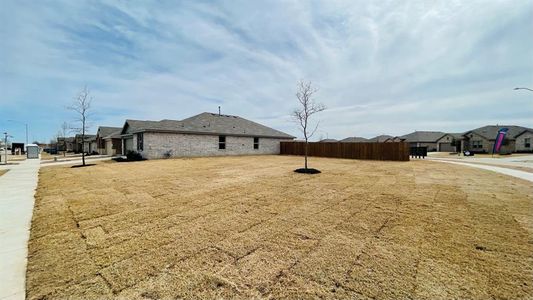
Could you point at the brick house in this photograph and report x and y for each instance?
(87, 146)
(108, 140)
(427, 139)
(206, 134)
(66, 144)
(481, 140)
(523, 141)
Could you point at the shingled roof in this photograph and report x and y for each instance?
(379, 139)
(106, 131)
(489, 132)
(423, 136)
(354, 139)
(206, 123)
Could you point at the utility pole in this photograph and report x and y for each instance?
(5, 147)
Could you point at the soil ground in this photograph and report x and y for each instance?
(250, 227)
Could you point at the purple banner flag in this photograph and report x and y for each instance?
(499, 140)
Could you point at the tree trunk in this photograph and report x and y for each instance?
(306, 146)
(83, 143)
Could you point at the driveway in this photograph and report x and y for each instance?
(17, 189)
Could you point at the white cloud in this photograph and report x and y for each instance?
(383, 67)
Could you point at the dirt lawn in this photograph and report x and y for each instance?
(243, 227)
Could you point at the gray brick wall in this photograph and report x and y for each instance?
(520, 142)
(186, 145)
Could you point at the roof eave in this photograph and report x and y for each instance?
(206, 133)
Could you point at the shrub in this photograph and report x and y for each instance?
(134, 156)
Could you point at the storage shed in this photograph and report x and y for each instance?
(32, 151)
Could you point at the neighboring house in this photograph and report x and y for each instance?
(206, 134)
(328, 141)
(86, 146)
(108, 135)
(394, 139)
(379, 139)
(450, 142)
(481, 140)
(65, 144)
(523, 141)
(354, 139)
(90, 146)
(113, 143)
(427, 139)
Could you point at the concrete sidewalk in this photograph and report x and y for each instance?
(74, 161)
(511, 172)
(17, 189)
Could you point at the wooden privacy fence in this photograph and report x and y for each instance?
(374, 151)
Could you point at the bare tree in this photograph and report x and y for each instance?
(82, 106)
(63, 134)
(308, 107)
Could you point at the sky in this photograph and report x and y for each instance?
(381, 67)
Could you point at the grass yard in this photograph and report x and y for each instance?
(48, 156)
(243, 227)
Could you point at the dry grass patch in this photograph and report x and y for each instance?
(245, 227)
(2, 172)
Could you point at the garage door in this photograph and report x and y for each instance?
(446, 147)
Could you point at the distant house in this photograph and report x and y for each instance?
(108, 140)
(65, 144)
(482, 139)
(90, 146)
(394, 139)
(523, 141)
(379, 139)
(87, 146)
(354, 139)
(328, 141)
(113, 143)
(449, 142)
(427, 139)
(206, 134)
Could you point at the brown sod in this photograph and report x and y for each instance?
(48, 156)
(250, 227)
(2, 172)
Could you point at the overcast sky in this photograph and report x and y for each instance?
(382, 67)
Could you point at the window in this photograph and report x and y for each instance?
(140, 142)
(222, 142)
(477, 145)
(527, 142)
(256, 143)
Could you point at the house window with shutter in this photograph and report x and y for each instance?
(140, 142)
(527, 142)
(221, 142)
(256, 143)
